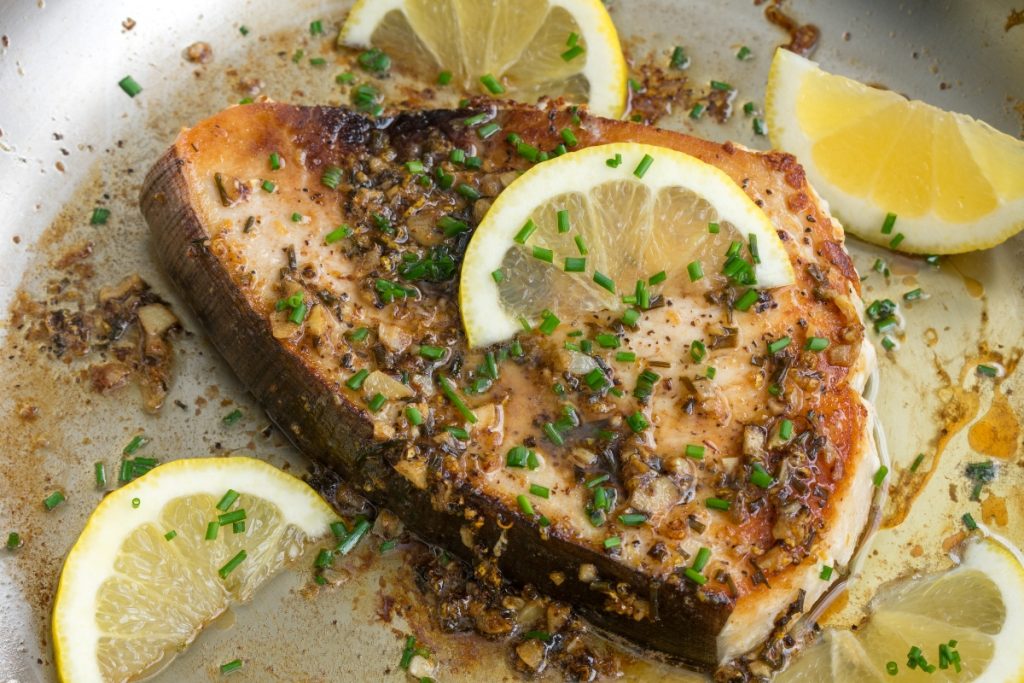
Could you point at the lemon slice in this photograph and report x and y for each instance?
(954, 183)
(631, 212)
(535, 48)
(132, 593)
(976, 605)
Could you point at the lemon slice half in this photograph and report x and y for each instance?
(533, 48)
(142, 579)
(604, 218)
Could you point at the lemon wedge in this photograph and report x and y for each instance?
(574, 234)
(953, 183)
(969, 614)
(532, 48)
(143, 579)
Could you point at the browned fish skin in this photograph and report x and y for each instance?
(298, 374)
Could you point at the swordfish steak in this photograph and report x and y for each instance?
(320, 250)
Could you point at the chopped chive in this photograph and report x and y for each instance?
(387, 545)
(887, 225)
(717, 504)
(100, 471)
(746, 300)
(607, 340)
(572, 53)
(630, 317)
(451, 226)
(317, 61)
(695, 451)
(350, 541)
(695, 270)
(604, 281)
(679, 60)
(880, 475)
(569, 137)
(448, 389)
(375, 60)
(232, 417)
(432, 352)
(231, 517)
(355, 382)
(549, 323)
(130, 87)
(358, 335)
(338, 234)
(969, 522)
(697, 350)
(413, 415)
(553, 434)
(637, 422)
(268, 186)
(612, 542)
(99, 216)
(749, 108)
(786, 429)
(525, 505)
(227, 500)
(888, 344)
(987, 370)
(710, 373)
(913, 295)
(575, 264)
(238, 527)
(296, 217)
(563, 220)
(13, 540)
(816, 344)
(896, 241)
(444, 78)
(344, 78)
(458, 432)
(53, 500)
(697, 111)
(581, 245)
(714, 228)
(695, 576)
(498, 276)
(743, 53)
(540, 491)
(232, 564)
(377, 402)
(414, 166)
(625, 356)
(331, 178)
(488, 130)
(758, 126)
(720, 85)
(643, 166)
(524, 232)
(892, 668)
(233, 665)
(778, 344)
(474, 162)
(917, 462)
(826, 573)
(614, 162)
(475, 119)
(542, 254)
(492, 84)
(701, 560)
(760, 477)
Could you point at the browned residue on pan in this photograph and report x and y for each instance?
(1014, 18)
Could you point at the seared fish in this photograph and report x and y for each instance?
(329, 288)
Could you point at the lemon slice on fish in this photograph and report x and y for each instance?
(947, 183)
(144, 577)
(962, 625)
(530, 48)
(602, 228)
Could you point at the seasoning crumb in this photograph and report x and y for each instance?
(128, 24)
(199, 53)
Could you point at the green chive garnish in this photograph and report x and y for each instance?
(492, 84)
(760, 477)
(816, 344)
(717, 504)
(575, 264)
(604, 281)
(758, 126)
(657, 278)
(612, 542)
(887, 225)
(581, 245)
(572, 53)
(232, 417)
(355, 382)
(233, 665)
(232, 564)
(129, 85)
(697, 111)
(896, 241)
(563, 220)
(637, 422)
(358, 335)
(826, 573)
(331, 178)
(615, 162)
(679, 60)
(448, 389)
(268, 186)
(53, 500)
(743, 54)
(444, 78)
(231, 517)
(695, 576)
(625, 356)
(786, 429)
(630, 317)
(701, 560)
(99, 216)
(632, 519)
(13, 540)
(987, 370)
(695, 451)
(695, 270)
(525, 505)
(746, 300)
(778, 344)
(540, 491)
(227, 500)
(969, 522)
(488, 130)
(338, 234)
(543, 254)
(697, 350)
(643, 166)
(100, 471)
(880, 475)
(377, 402)
(350, 541)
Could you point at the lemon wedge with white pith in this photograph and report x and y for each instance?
(954, 183)
(143, 579)
(969, 617)
(574, 234)
(533, 48)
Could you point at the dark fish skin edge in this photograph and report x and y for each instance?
(327, 427)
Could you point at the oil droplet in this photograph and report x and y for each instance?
(973, 287)
(996, 433)
(931, 337)
(993, 510)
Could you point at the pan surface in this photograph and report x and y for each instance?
(70, 140)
